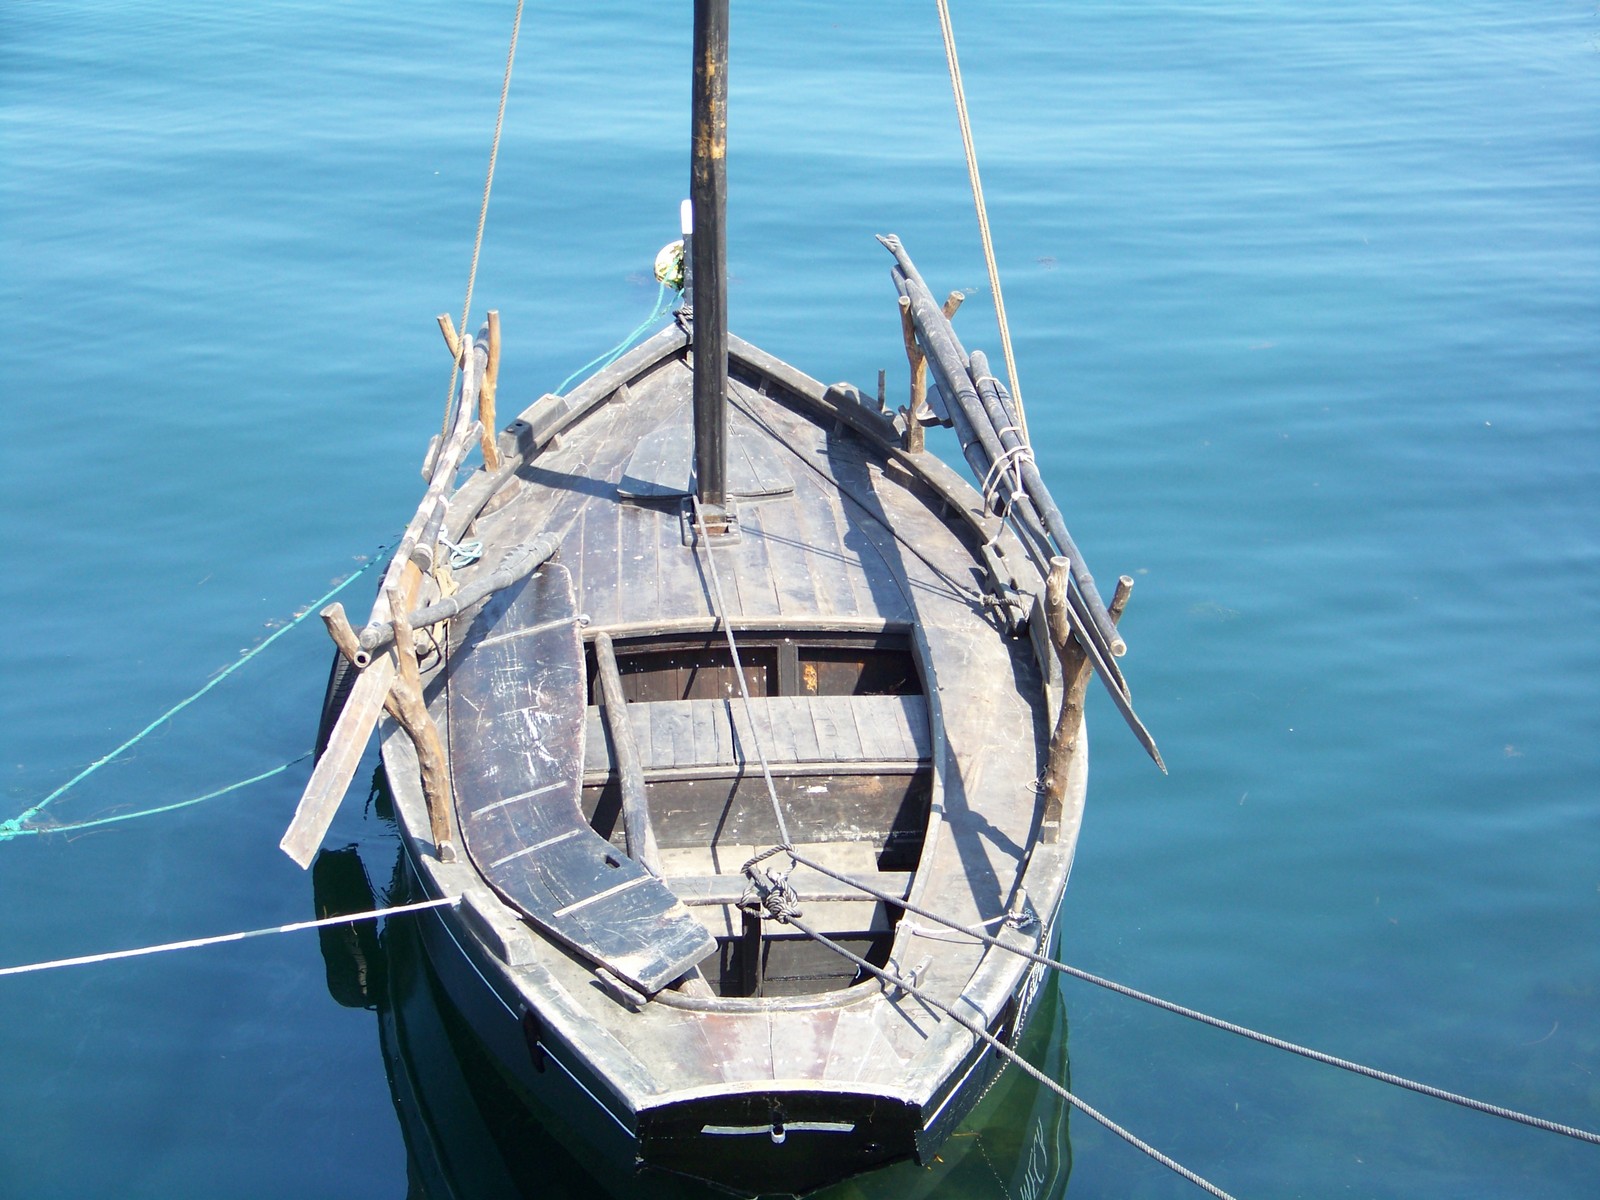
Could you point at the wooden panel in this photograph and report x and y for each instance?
(795, 730)
(835, 728)
(516, 723)
(774, 525)
(640, 563)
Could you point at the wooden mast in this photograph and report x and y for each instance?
(708, 193)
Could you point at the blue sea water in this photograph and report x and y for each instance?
(1307, 309)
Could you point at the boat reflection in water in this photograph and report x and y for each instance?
(470, 1134)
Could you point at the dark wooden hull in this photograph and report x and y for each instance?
(907, 725)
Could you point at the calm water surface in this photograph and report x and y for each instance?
(1307, 304)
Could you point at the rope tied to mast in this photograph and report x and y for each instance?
(703, 538)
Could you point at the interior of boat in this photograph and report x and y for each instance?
(842, 722)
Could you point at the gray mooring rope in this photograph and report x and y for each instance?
(1344, 1064)
(914, 990)
(85, 960)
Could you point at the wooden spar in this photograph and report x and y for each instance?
(430, 513)
(918, 361)
(708, 193)
(412, 713)
(491, 377)
(337, 766)
(519, 563)
(998, 441)
(641, 839)
(1004, 417)
(1075, 672)
(950, 362)
(984, 446)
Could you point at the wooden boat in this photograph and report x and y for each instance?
(743, 680)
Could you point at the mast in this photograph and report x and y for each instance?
(708, 193)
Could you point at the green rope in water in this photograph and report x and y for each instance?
(664, 298)
(17, 825)
(6, 832)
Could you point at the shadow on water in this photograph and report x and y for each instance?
(470, 1134)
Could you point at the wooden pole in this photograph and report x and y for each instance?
(915, 434)
(424, 734)
(491, 376)
(1075, 674)
(452, 339)
(636, 830)
(331, 777)
(708, 192)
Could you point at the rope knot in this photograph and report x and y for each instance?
(770, 892)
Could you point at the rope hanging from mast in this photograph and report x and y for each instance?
(483, 214)
(982, 209)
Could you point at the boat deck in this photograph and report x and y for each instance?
(860, 543)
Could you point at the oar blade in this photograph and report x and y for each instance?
(337, 766)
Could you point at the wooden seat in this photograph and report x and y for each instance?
(514, 739)
(714, 737)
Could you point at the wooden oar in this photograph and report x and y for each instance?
(337, 766)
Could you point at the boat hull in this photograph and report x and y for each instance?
(749, 1142)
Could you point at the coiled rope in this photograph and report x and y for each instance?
(85, 960)
(977, 932)
(982, 209)
(17, 825)
(483, 213)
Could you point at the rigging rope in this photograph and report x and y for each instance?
(483, 215)
(912, 988)
(194, 943)
(17, 824)
(1495, 1110)
(6, 833)
(704, 539)
(983, 212)
(663, 303)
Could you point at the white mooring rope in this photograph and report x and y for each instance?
(194, 943)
